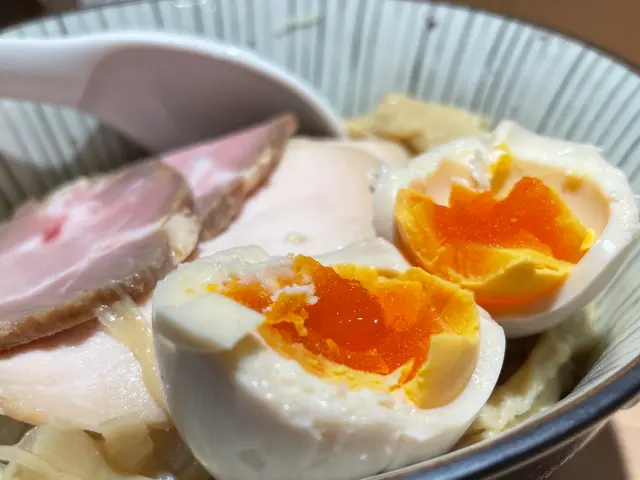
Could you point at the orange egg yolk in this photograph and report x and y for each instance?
(531, 216)
(508, 250)
(371, 325)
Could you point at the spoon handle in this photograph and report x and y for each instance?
(51, 70)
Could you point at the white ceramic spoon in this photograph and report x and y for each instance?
(162, 90)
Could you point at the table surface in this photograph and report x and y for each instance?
(612, 25)
(610, 454)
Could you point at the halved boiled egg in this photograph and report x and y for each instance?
(533, 226)
(334, 367)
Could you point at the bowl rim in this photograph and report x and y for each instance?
(535, 438)
(445, 3)
(527, 442)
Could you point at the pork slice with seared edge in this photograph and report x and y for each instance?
(223, 173)
(89, 242)
(96, 240)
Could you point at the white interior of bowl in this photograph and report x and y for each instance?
(356, 52)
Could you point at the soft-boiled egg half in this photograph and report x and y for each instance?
(535, 227)
(334, 367)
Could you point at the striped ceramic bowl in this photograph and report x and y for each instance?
(356, 52)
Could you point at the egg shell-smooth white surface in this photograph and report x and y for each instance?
(594, 271)
(249, 413)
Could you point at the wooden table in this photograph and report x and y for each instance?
(14, 11)
(612, 25)
(612, 455)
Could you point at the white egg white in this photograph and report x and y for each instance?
(249, 413)
(614, 215)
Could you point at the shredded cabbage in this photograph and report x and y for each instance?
(540, 382)
(417, 125)
(124, 321)
(61, 451)
(123, 448)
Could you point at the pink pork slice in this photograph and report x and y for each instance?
(316, 199)
(96, 238)
(87, 243)
(221, 174)
(93, 237)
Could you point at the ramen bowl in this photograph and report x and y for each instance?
(355, 53)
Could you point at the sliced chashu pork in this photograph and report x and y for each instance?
(89, 242)
(96, 238)
(319, 191)
(317, 200)
(222, 173)
(82, 375)
(385, 151)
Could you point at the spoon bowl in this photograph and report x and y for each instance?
(161, 90)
